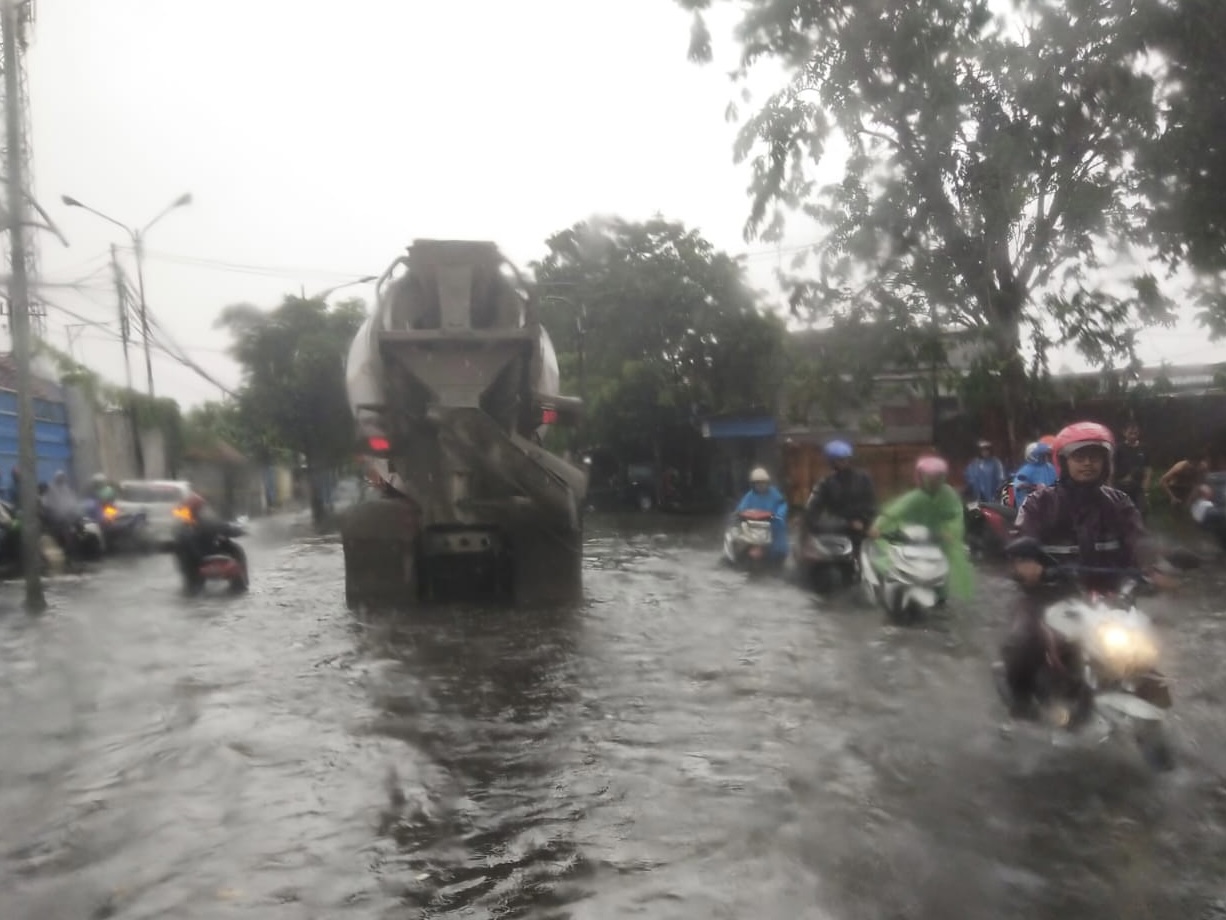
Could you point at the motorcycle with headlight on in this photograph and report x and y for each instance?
(1102, 675)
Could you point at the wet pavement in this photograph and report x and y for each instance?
(686, 744)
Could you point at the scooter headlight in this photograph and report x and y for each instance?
(1126, 650)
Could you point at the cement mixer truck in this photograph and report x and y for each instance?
(453, 384)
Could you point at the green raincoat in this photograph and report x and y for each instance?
(941, 513)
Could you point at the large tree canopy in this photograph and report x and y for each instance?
(669, 327)
(989, 170)
(1187, 165)
(293, 360)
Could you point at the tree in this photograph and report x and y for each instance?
(293, 361)
(1186, 166)
(990, 166)
(670, 329)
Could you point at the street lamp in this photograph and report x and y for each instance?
(138, 246)
(328, 292)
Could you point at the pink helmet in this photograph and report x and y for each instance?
(1082, 434)
(930, 465)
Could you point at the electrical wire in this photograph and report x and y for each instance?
(247, 268)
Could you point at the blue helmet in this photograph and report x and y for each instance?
(838, 450)
(1036, 451)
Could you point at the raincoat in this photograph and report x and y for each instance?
(1029, 477)
(941, 513)
(771, 500)
(984, 476)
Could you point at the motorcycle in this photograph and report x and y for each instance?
(224, 560)
(989, 528)
(907, 577)
(826, 553)
(1104, 678)
(747, 541)
(117, 529)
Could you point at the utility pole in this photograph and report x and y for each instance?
(125, 331)
(138, 244)
(19, 310)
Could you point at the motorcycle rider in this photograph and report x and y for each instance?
(1035, 472)
(846, 493)
(933, 504)
(203, 534)
(1079, 520)
(763, 496)
(62, 511)
(984, 475)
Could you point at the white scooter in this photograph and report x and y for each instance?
(747, 541)
(908, 577)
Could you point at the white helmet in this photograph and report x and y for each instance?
(759, 474)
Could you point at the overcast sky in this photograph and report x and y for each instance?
(318, 139)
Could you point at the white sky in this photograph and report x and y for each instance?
(318, 139)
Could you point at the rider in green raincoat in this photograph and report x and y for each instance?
(933, 504)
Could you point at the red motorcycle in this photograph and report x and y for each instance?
(990, 527)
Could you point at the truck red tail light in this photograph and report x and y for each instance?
(549, 416)
(378, 445)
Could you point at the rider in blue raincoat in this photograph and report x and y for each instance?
(984, 475)
(1038, 470)
(762, 496)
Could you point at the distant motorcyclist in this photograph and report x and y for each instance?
(1037, 471)
(984, 475)
(204, 533)
(935, 505)
(1080, 520)
(1130, 469)
(846, 493)
(762, 496)
(61, 511)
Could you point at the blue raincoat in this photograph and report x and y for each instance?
(1029, 477)
(984, 476)
(771, 500)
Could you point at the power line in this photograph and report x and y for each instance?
(246, 268)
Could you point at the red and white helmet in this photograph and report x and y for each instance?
(1083, 434)
(930, 466)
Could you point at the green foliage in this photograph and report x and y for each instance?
(293, 393)
(987, 162)
(1186, 167)
(670, 328)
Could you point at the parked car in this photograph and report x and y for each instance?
(159, 499)
(631, 490)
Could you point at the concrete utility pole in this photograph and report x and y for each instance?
(19, 309)
(125, 330)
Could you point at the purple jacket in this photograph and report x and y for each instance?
(1086, 525)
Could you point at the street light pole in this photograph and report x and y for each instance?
(138, 247)
(138, 244)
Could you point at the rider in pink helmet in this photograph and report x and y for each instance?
(933, 504)
(1079, 521)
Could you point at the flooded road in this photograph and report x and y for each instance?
(687, 744)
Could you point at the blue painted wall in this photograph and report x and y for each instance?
(52, 443)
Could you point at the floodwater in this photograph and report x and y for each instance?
(685, 744)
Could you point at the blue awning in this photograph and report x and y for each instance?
(757, 426)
